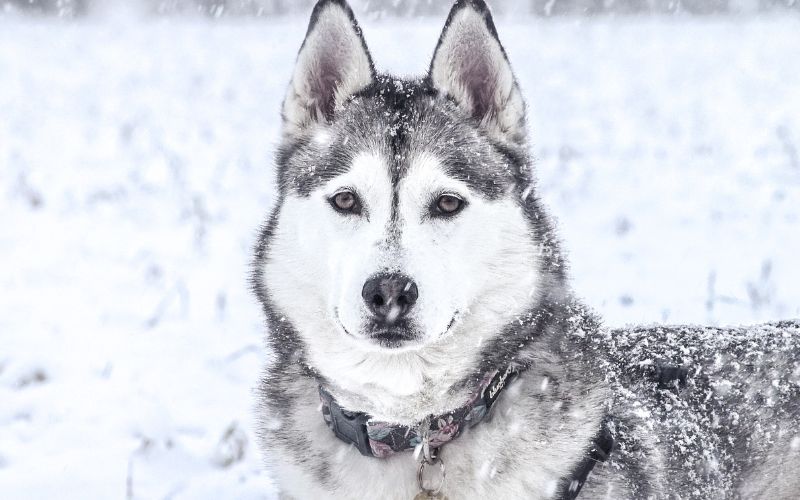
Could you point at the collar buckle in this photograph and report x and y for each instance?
(350, 427)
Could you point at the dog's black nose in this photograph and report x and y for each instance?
(389, 296)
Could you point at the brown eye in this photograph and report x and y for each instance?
(345, 202)
(448, 204)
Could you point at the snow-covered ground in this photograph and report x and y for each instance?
(135, 167)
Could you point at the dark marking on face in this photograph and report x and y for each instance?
(394, 229)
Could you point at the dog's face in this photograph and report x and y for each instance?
(402, 215)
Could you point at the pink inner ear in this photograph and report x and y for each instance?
(323, 81)
(479, 78)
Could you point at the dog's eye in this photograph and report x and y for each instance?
(346, 202)
(448, 204)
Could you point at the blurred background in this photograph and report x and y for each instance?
(403, 8)
(136, 146)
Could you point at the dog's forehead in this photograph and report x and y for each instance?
(406, 124)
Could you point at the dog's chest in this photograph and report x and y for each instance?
(472, 471)
(510, 455)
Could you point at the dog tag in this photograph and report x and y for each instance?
(425, 495)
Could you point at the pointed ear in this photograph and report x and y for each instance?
(332, 65)
(470, 65)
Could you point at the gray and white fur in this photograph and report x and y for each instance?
(408, 253)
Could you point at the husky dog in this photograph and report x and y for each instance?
(425, 341)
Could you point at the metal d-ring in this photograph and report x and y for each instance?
(429, 456)
(434, 460)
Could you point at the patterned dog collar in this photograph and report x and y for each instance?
(383, 439)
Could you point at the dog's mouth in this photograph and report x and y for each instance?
(399, 335)
(392, 338)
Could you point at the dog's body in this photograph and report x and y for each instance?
(408, 255)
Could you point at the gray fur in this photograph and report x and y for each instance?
(728, 429)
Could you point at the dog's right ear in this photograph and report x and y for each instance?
(332, 65)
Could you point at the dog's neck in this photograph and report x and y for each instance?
(403, 388)
(411, 386)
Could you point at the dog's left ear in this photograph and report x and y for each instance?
(471, 66)
(332, 65)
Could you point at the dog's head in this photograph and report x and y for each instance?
(404, 217)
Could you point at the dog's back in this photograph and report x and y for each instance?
(711, 410)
